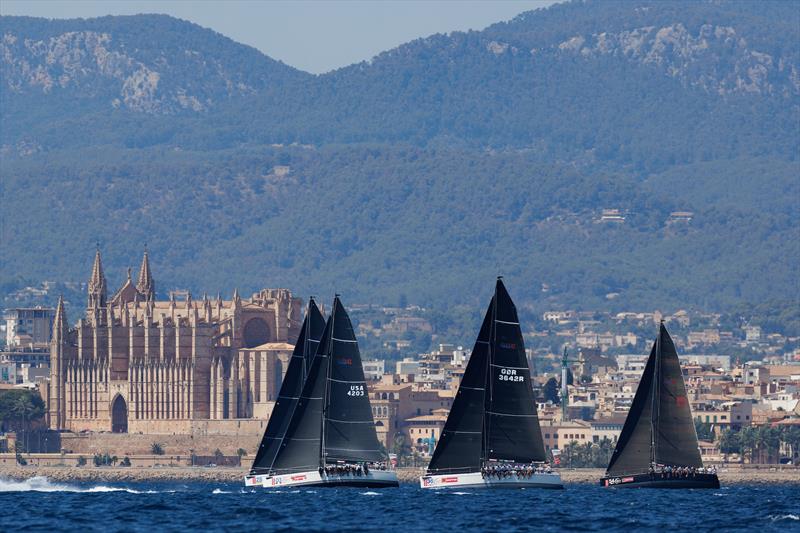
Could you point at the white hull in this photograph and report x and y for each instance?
(375, 479)
(475, 480)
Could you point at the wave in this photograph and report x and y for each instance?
(779, 517)
(220, 491)
(42, 484)
(370, 493)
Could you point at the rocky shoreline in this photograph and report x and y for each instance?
(407, 475)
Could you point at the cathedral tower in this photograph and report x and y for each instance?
(145, 284)
(98, 292)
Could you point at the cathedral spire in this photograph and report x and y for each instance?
(145, 284)
(97, 284)
(60, 321)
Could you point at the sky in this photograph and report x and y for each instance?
(312, 35)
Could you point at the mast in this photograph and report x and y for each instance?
(489, 373)
(654, 400)
(325, 404)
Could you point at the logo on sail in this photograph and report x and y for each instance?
(344, 361)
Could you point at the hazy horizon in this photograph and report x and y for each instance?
(312, 35)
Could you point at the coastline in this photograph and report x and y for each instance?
(727, 476)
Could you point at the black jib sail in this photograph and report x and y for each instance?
(460, 448)
(349, 429)
(291, 387)
(512, 431)
(300, 449)
(659, 429)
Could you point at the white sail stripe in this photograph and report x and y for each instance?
(312, 398)
(344, 340)
(511, 367)
(340, 381)
(295, 438)
(466, 432)
(349, 421)
(471, 388)
(481, 342)
(495, 413)
(509, 323)
(289, 397)
(352, 449)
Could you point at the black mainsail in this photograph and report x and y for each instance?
(332, 420)
(659, 429)
(493, 417)
(460, 448)
(512, 431)
(349, 429)
(291, 388)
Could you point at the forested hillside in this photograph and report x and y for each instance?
(424, 172)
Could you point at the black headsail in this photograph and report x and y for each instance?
(632, 454)
(300, 449)
(512, 429)
(291, 387)
(349, 429)
(659, 428)
(460, 448)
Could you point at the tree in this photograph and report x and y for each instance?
(551, 391)
(20, 407)
(126, 461)
(157, 449)
(241, 452)
(401, 448)
(81, 461)
(705, 431)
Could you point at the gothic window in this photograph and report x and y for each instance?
(256, 332)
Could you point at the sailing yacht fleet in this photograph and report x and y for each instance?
(322, 433)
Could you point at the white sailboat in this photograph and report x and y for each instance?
(324, 434)
(492, 437)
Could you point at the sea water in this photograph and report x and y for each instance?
(40, 505)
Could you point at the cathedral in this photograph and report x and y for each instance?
(135, 364)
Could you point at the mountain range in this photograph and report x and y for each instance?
(421, 173)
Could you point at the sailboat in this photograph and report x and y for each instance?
(492, 438)
(292, 385)
(658, 444)
(330, 437)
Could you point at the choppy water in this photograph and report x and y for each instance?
(40, 505)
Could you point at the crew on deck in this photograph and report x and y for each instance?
(352, 469)
(506, 470)
(676, 472)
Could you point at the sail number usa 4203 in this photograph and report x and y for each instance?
(356, 390)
